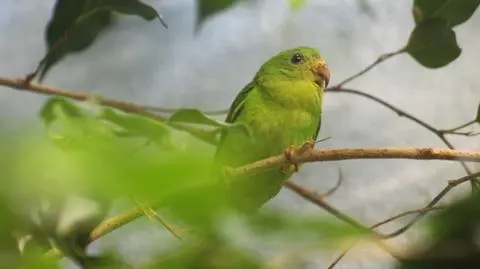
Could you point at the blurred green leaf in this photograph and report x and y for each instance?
(105, 123)
(76, 126)
(207, 8)
(37, 259)
(136, 125)
(75, 24)
(195, 116)
(48, 110)
(477, 119)
(297, 4)
(366, 7)
(454, 11)
(102, 136)
(312, 229)
(208, 254)
(133, 7)
(433, 43)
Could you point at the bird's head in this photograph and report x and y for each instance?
(301, 63)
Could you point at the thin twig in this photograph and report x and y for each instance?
(407, 213)
(340, 257)
(451, 184)
(334, 188)
(400, 112)
(379, 60)
(455, 129)
(378, 224)
(420, 213)
(469, 134)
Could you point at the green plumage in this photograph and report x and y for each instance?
(280, 107)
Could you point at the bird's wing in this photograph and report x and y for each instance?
(235, 110)
(238, 104)
(319, 124)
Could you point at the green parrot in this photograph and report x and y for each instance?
(281, 108)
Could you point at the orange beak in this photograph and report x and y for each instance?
(322, 73)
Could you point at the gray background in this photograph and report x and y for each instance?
(145, 63)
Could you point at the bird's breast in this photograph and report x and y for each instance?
(274, 129)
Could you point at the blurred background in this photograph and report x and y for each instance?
(143, 62)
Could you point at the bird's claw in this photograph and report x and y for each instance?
(290, 165)
(307, 146)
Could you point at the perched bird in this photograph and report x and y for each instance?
(281, 108)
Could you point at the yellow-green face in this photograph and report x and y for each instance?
(301, 63)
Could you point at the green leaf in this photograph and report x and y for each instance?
(75, 25)
(454, 11)
(191, 115)
(295, 5)
(207, 8)
(75, 127)
(135, 7)
(433, 43)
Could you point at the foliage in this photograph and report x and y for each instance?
(87, 150)
(74, 26)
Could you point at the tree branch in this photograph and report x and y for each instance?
(314, 155)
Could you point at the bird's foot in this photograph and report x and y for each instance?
(290, 165)
(307, 146)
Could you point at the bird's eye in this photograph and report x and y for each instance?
(297, 58)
